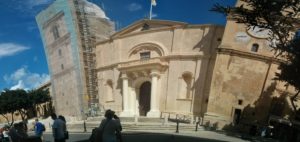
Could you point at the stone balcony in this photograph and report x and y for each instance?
(144, 64)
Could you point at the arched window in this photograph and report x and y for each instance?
(55, 32)
(145, 55)
(185, 86)
(254, 47)
(109, 91)
(59, 52)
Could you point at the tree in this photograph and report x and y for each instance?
(12, 101)
(281, 18)
(39, 97)
(9, 104)
(17, 101)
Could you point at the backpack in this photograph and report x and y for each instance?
(96, 135)
(43, 127)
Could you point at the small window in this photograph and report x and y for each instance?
(255, 47)
(240, 102)
(55, 32)
(145, 55)
(109, 93)
(62, 66)
(59, 52)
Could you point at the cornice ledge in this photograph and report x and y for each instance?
(234, 52)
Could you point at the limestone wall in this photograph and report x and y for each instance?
(188, 50)
(243, 85)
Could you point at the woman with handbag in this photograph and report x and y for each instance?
(58, 129)
(109, 127)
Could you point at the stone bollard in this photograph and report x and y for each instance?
(135, 119)
(192, 120)
(166, 120)
(197, 123)
(84, 126)
(177, 126)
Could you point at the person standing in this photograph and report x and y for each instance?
(5, 134)
(58, 129)
(66, 133)
(110, 127)
(118, 131)
(39, 128)
(17, 133)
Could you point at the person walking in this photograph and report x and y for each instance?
(17, 133)
(5, 135)
(58, 129)
(39, 128)
(118, 132)
(110, 127)
(66, 133)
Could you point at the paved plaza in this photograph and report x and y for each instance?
(150, 136)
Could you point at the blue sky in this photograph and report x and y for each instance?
(22, 58)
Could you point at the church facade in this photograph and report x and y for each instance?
(154, 67)
(222, 75)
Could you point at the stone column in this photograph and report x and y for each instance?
(126, 111)
(154, 105)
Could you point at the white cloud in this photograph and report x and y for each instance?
(17, 75)
(24, 79)
(10, 49)
(20, 85)
(32, 3)
(28, 7)
(134, 7)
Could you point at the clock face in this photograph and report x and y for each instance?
(258, 32)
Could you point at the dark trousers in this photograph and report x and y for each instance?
(62, 140)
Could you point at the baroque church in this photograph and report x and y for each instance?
(159, 68)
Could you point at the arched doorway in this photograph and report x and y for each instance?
(144, 98)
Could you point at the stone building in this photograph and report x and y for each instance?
(69, 30)
(45, 109)
(159, 68)
(156, 67)
(243, 89)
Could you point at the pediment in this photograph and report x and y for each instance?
(147, 25)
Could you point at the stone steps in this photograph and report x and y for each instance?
(139, 126)
(129, 119)
(136, 124)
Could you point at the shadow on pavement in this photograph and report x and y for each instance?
(246, 136)
(159, 137)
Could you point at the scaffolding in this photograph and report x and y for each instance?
(88, 42)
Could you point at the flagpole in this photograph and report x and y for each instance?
(150, 14)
